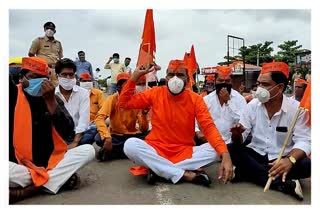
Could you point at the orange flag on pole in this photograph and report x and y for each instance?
(192, 65)
(148, 41)
(306, 101)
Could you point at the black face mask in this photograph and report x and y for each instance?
(219, 86)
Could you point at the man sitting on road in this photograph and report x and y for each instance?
(96, 103)
(225, 105)
(122, 124)
(38, 125)
(168, 150)
(268, 118)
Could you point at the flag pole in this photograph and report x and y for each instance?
(293, 123)
(148, 62)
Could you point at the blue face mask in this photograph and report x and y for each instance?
(34, 88)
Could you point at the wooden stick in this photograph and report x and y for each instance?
(148, 62)
(293, 123)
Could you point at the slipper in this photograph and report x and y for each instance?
(72, 183)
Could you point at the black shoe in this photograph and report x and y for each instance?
(103, 155)
(201, 178)
(152, 177)
(292, 187)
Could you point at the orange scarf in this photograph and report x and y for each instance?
(22, 142)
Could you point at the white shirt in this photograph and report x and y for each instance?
(265, 138)
(128, 69)
(78, 107)
(225, 116)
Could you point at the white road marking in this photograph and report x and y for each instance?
(162, 191)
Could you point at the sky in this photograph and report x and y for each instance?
(100, 33)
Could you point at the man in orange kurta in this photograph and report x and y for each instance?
(169, 150)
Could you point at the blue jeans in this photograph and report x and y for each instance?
(113, 88)
(88, 135)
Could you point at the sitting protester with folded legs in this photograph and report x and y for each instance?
(169, 150)
(269, 118)
(38, 126)
(122, 124)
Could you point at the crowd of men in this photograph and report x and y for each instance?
(169, 131)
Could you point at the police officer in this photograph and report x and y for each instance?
(47, 47)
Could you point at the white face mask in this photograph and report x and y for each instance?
(86, 85)
(66, 83)
(140, 88)
(49, 33)
(175, 85)
(263, 94)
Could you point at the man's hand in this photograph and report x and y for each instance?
(72, 145)
(140, 71)
(281, 168)
(107, 146)
(201, 137)
(47, 90)
(236, 133)
(226, 168)
(224, 95)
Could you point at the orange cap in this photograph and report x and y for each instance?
(210, 77)
(301, 81)
(35, 64)
(275, 66)
(123, 76)
(85, 75)
(177, 64)
(224, 71)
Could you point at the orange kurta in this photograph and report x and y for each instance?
(122, 121)
(96, 102)
(173, 120)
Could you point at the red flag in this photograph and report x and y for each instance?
(148, 41)
(306, 101)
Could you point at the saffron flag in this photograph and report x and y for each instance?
(306, 101)
(148, 41)
(191, 62)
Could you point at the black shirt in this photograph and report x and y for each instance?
(42, 121)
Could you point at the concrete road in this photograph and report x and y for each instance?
(110, 183)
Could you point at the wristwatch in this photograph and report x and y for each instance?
(292, 159)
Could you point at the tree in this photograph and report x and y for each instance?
(254, 54)
(288, 52)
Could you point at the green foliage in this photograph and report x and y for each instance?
(288, 51)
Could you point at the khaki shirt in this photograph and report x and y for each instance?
(50, 50)
(115, 68)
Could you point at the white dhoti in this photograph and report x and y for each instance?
(143, 154)
(73, 160)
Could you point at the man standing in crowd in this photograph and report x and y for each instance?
(268, 118)
(75, 98)
(225, 105)
(48, 47)
(38, 124)
(126, 64)
(122, 124)
(83, 65)
(116, 67)
(168, 150)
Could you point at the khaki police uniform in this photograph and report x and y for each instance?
(50, 50)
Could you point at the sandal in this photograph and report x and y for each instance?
(72, 183)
